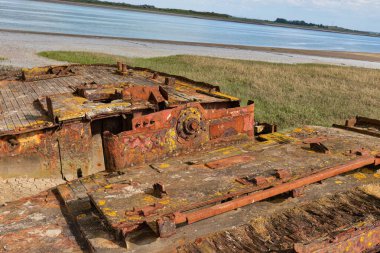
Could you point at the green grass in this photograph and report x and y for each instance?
(288, 95)
(82, 57)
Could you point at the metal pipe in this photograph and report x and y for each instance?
(247, 200)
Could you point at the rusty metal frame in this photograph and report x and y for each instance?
(354, 124)
(201, 214)
(170, 131)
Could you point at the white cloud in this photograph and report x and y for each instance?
(335, 3)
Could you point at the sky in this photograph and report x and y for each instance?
(354, 14)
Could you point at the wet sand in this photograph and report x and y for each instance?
(20, 48)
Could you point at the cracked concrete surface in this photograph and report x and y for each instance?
(20, 50)
(14, 188)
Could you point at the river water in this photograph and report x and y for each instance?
(30, 15)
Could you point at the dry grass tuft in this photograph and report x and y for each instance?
(285, 94)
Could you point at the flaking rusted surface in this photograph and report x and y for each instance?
(184, 170)
(36, 224)
(53, 118)
(118, 210)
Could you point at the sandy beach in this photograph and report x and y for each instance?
(20, 50)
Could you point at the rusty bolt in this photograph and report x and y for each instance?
(360, 152)
(259, 180)
(297, 192)
(319, 147)
(282, 174)
(159, 190)
(155, 75)
(166, 227)
(119, 67)
(124, 68)
(194, 125)
(191, 126)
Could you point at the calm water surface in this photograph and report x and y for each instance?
(30, 15)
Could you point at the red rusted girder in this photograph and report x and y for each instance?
(283, 188)
(173, 130)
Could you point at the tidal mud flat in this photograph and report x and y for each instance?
(20, 50)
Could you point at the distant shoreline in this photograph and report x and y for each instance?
(360, 56)
(259, 22)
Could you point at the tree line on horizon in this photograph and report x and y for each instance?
(299, 23)
(220, 16)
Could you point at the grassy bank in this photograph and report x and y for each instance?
(289, 95)
(2, 58)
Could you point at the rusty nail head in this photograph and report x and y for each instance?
(170, 81)
(319, 147)
(282, 174)
(259, 180)
(351, 122)
(159, 190)
(194, 125)
(166, 227)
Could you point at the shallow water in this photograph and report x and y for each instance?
(30, 15)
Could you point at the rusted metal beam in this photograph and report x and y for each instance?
(360, 125)
(265, 194)
(358, 130)
(364, 120)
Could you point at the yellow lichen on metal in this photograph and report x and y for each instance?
(101, 202)
(164, 165)
(164, 202)
(277, 138)
(360, 176)
(303, 130)
(149, 199)
(30, 140)
(134, 217)
(36, 70)
(170, 140)
(77, 107)
(110, 213)
(71, 109)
